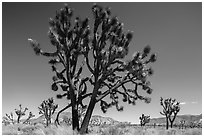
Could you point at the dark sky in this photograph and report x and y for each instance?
(173, 30)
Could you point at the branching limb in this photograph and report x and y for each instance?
(88, 64)
(57, 117)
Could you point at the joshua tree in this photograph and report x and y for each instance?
(170, 110)
(47, 108)
(144, 119)
(103, 52)
(20, 112)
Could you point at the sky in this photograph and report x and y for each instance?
(173, 30)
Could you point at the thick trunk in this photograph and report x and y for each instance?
(171, 124)
(85, 123)
(167, 123)
(75, 120)
(87, 118)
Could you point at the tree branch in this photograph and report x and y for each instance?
(88, 65)
(57, 117)
(114, 87)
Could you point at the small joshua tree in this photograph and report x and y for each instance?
(20, 113)
(109, 74)
(9, 118)
(144, 119)
(170, 110)
(182, 123)
(47, 108)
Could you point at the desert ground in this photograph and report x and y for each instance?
(119, 129)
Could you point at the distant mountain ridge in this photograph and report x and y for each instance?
(96, 119)
(188, 119)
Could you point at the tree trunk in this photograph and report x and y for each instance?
(87, 117)
(47, 122)
(167, 123)
(18, 120)
(171, 122)
(75, 120)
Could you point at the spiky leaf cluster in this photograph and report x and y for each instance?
(20, 112)
(170, 106)
(47, 107)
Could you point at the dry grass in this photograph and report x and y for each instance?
(39, 129)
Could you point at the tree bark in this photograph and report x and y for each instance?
(171, 124)
(75, 119)
(18, 120)
(85, 123)
(167, 123)
(47, 122)
(172, 121)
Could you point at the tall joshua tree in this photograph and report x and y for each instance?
(103, 50)
(144, 119)
(170, 109)
(47, 108)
